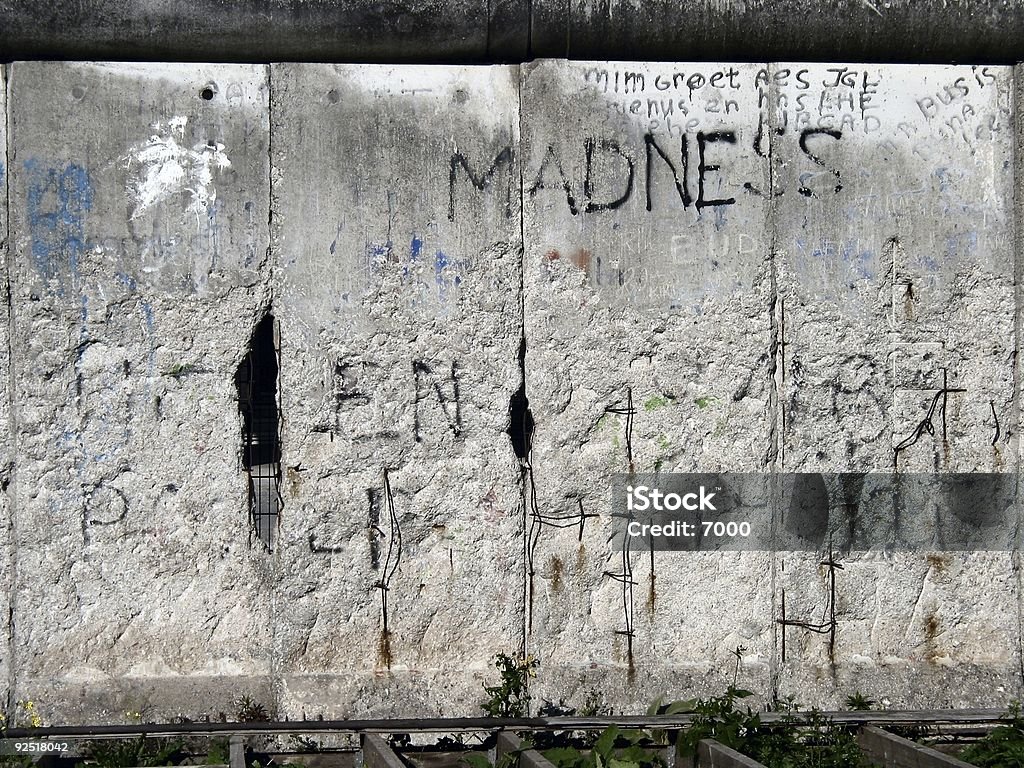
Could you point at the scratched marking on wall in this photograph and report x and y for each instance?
(423, 277)
(672, 173)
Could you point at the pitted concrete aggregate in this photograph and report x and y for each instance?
(684, 266)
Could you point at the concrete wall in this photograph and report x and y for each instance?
(718, 267)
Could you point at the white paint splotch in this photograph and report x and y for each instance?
(162, 168)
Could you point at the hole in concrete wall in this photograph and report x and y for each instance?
(208, 92)
(256, 380)
(520, 427)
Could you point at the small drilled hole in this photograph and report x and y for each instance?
(206, 94)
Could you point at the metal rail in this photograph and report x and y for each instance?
(964, 31)
(490, 724)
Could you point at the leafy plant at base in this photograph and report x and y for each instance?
(507, 760)
(476, 760)
(813, 741)
(858, 702)
(604, 753)
(249, 710)
(23, 716)
(718, 718)
(218, 752)
(125, 753)
(510, 698)
(1003, 747)
(593, 706)
(659, 707)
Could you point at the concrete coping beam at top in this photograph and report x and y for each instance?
(461, 31)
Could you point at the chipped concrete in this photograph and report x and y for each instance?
(135, 585)
(633, 269)
(896, 310)
(7, 552)
(698, 267)
(398, 241)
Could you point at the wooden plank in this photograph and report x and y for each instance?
(712, 754)
(378, 754)
(236, 752)
(892, 751)
(507, 742)
(528, 758)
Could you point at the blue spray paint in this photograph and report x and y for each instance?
(860, 261)
(415, 248)
(720, 217)
(58, 199)
(375, 254)
(440, 262)
(959, 246)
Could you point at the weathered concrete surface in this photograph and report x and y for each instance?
(139, 213)
(397, 230)
(887, 225)
(896, 317)
(726, 267)
(647, 295)
(1018, 247)
(515, 30)
(6, 447)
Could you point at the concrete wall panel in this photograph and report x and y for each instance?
(648, 326)
(896, 312)
(397, 227)
(138, 229)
